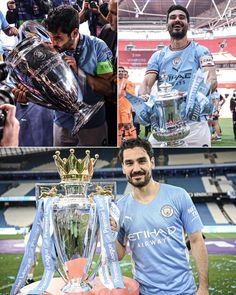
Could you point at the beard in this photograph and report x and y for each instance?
(64, 47)
(177, 35)
(139, 183)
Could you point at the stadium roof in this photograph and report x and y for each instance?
(205, 15)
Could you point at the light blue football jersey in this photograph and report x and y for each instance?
(155, 232)
(179, 65)
(93, 57)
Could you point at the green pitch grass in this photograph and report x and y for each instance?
(222, 270)
(227, 134)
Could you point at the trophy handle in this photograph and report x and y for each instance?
(93, 272)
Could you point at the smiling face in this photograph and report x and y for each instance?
(137, 166)
(177, 24)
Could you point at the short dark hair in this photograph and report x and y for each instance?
(178, 7)
(132, 143)
(64, 18)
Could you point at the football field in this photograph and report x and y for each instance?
(222, 266)
(227, 138)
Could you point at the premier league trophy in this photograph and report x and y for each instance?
(71, 215)
(49, 80)
(75, 221)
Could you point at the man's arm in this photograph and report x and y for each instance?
(11, 128)
(147, 84)
(120, 250)
(11, 31)
(200, 255)
(211, 77)
(101, 83)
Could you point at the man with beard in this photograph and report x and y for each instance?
(180, 61)
(153, 218)
(85, 54)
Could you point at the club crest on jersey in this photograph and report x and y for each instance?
(176, 61)
(167, 211)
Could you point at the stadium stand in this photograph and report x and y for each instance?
(188, 159)
(230, 209)
(22, 189)
(216, 213)
(190, 184)
(205, 214)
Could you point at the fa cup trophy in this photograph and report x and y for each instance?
(170, 128)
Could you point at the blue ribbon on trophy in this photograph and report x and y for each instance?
(48, 250)
(142, 109)
(107, 241)
(197, 103)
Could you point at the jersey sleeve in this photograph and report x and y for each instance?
(205, 58)
(189, 214)
(104, 59)
(3, 21)
(153, 64)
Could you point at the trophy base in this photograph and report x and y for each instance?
(55, 288)
(76, 287)
(173, 143)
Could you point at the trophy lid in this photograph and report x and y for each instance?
(73, 169)
(166, 91)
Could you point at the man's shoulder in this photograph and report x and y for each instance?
(123, 200)
(93, 40)
(172, 188)
(200, 49)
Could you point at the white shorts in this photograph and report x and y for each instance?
(199, 135)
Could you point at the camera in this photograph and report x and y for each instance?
(92, 3)
(6, 96)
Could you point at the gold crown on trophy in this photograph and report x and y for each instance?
(72, 169)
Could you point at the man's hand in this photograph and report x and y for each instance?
(113, 224)
(11, 128)
(144, 97)
(11, 31)
(20, 93)
(70, 60)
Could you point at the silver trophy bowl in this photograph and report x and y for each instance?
(171, 128)
(49, 80)
(76, 226)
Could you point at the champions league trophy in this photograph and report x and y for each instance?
(48, 78)
(70, 216)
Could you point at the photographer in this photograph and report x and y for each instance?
(11, 15)
(95, 12)
(30, 10)
(11, 127)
